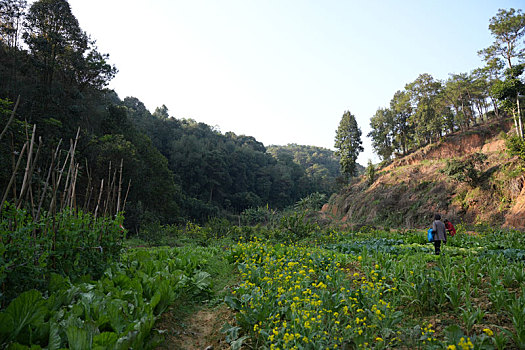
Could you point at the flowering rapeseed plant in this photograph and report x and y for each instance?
(298, 297)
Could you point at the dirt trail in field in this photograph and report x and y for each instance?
(199, 331)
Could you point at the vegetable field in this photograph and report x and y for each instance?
(331, 290)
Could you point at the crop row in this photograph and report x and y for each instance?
(116, 312)
(381, 290)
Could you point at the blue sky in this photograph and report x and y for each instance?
(283, 71)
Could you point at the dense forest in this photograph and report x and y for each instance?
(176, 169)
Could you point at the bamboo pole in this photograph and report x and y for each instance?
(46, 184)
(57, 185)
(126, 197)
(99, 197)
(13, 176)
(70, 173)
(30, 179)
(10, 118)
(119, 186)
(87, 196)
(72, 198)
(106, 202)
(28, 167)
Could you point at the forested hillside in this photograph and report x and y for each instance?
(428, 108)
(467, 177)
(454, 146)
(177, 169)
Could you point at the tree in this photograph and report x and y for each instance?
(348, 143)
(401, 112)
(507, 91)
(11, 14)
(508, 27)
(53, 35)
(458, 92)
(489, 74)
(161, 112)
(424, 92)
(381, 133)
(370, 173)
(59, 45)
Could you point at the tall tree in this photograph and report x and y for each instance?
(401, 112)
(53, 35)
(489, 74)
(11, 14)
(424, 92)
(508, 91)
(381, 133)
(507, 28)
(348, 143)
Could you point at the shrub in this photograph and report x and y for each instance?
(516, 147)
(71, 243)
(466, 170)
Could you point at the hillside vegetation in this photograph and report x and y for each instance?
(468, 177)
(172, 170)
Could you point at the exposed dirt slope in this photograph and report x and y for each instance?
(411, 189)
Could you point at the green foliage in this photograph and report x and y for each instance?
(320, 164)
(382, 125)
(313, 201)
(259, 215)
(296, 226)
(466, 170)
(71, 244)
(516, 147)
(348, 143)
(118, 311)
(370, 173)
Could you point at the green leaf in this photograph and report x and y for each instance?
(55, 341)
(27, 309)
(453, 334)
(57, 283)
(232, 302)
(7, 325)
(201, 280)
(106, 340)
(79, 334)
(236, 344)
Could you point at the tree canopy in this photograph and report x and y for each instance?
(348, 143)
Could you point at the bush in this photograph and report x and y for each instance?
(71, 244)
(516, 147)
(466, 170)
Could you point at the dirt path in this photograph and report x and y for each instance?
(199, 331)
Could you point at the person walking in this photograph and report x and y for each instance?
(440, 233)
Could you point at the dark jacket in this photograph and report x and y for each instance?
(440, 232)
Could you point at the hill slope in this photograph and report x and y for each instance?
(411, 189)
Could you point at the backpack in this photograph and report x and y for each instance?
(430, 235)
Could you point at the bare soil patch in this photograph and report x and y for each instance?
(199, 331)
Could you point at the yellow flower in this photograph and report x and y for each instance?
(379, 339)
(489, 332)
